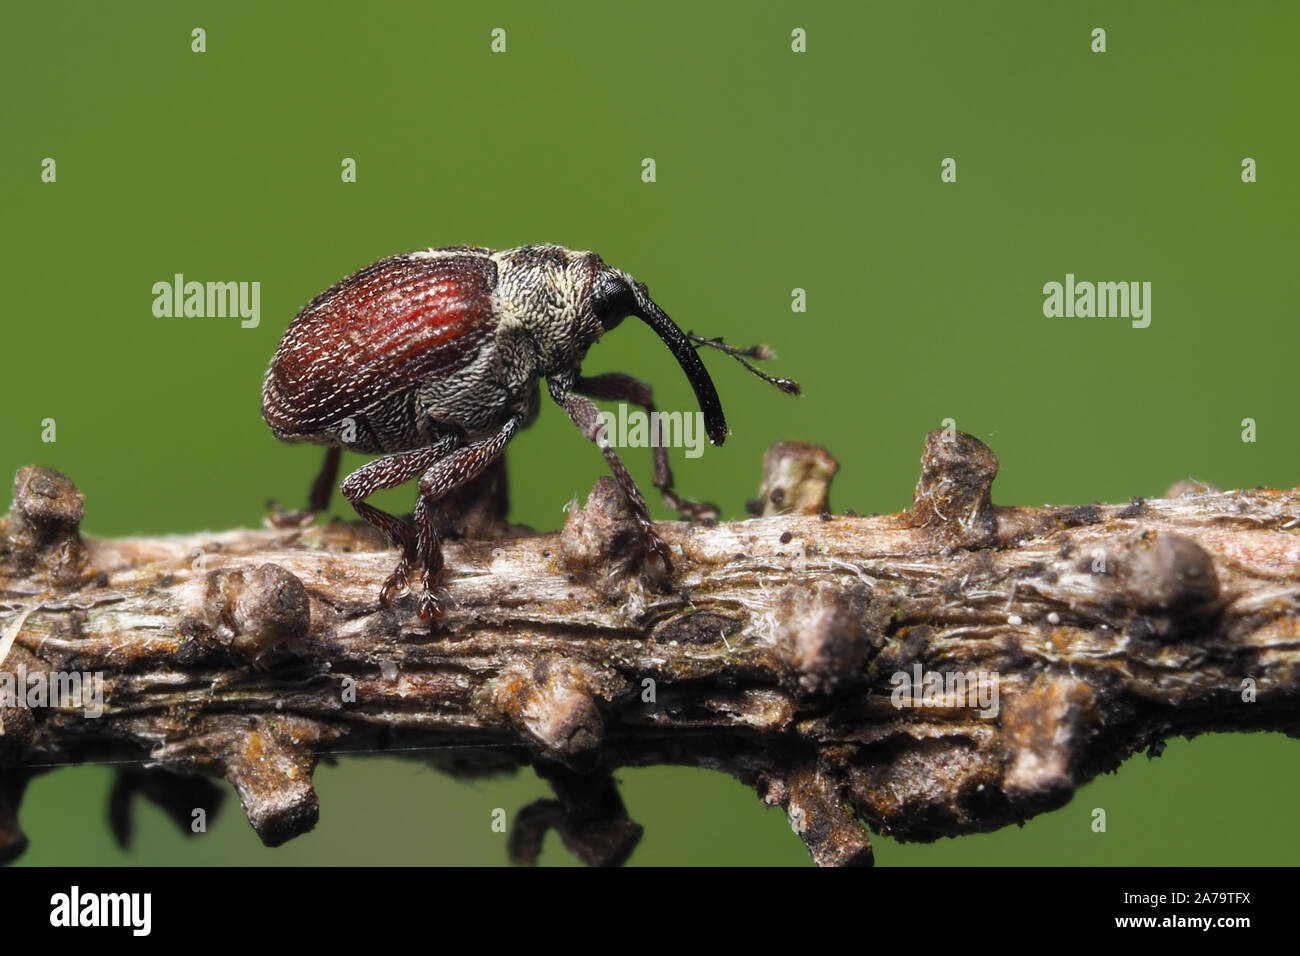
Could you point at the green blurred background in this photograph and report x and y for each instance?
(775, 170)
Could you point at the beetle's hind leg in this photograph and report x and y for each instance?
(444, 475)
(318, 499)
(323, 487)
(618, 387)
(390, 472)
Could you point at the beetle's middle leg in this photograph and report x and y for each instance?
(389, 472)
(618, 387)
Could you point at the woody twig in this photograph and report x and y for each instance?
(952, 668)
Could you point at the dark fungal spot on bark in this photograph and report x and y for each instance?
(702, 627)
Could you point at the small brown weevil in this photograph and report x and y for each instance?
(433, 359)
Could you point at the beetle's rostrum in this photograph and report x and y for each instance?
(433, 359)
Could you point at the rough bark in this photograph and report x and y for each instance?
(775, 654)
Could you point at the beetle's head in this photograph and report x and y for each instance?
(614, 295)
(567, 300)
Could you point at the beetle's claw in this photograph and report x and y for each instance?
(429, 606)
(399, 581)
(658, 556)
(433, 600)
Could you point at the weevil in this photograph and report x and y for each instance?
(433, 359)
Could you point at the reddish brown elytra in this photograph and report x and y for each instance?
(433, 360)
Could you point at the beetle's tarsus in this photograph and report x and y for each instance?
(399, 582)
(429, 607)
(657, 550)
(288, 520)
(433, 599)
(691, 510)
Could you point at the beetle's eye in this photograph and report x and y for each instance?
(612, 301)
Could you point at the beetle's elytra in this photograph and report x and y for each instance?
(433, 360)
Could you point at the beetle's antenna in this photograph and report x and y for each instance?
(759, 352)
(715, 424)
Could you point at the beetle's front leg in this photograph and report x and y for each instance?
(443, 476)
(587, 417)
(618, 387)
(390, 472)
